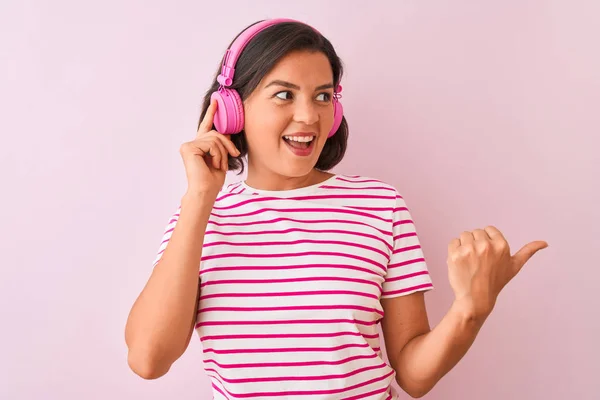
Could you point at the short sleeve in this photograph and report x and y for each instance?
(166, 236)
(407, 270)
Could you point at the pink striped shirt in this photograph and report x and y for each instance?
(290, 288)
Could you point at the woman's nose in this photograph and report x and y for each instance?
(306, 112)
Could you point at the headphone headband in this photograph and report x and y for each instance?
(232, 54)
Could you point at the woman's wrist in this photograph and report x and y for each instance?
(192, 197)
(465, 309)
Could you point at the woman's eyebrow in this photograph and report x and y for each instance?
(290, 85)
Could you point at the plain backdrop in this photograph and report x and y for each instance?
(479, 112)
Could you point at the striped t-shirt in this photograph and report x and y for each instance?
(290, 288)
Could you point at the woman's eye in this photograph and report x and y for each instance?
(326, 96)
(286, 95)
(284, 92)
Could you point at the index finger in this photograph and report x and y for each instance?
(207, 121)
(494, 233)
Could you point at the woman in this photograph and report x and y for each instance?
(297, 265)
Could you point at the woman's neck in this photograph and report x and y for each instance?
(273, 181)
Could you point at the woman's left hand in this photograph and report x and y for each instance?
(480, 265)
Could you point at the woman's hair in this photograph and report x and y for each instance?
(258, 58)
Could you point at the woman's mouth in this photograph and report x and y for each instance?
(300, 145)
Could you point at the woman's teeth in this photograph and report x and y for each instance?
(299, 141)
(299, 138)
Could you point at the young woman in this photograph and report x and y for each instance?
(286, 275)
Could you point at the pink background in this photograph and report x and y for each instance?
(479, 112)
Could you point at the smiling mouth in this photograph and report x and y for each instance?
(299, 142)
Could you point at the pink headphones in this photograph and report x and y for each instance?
(229, 118)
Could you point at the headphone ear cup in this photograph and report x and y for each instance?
(229, 117)
(239, 112)
(338, 114)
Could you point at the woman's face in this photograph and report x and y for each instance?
(293, 99)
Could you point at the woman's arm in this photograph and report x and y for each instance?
(480, 265)
(420, 356)
(162, 318)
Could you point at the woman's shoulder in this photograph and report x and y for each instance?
(365, 182)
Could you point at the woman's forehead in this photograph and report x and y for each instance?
(302, 68)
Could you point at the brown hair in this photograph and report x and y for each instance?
(258, 58)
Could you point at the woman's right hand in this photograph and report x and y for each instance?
(206, 157)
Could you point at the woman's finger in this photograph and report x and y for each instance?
(453, 245)
(207, 122)
(481, 236)
(215, 155)
(494, 233)
(226, 140)
(526, 252)
(222, 152)
(466, 237)
(209, 149)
